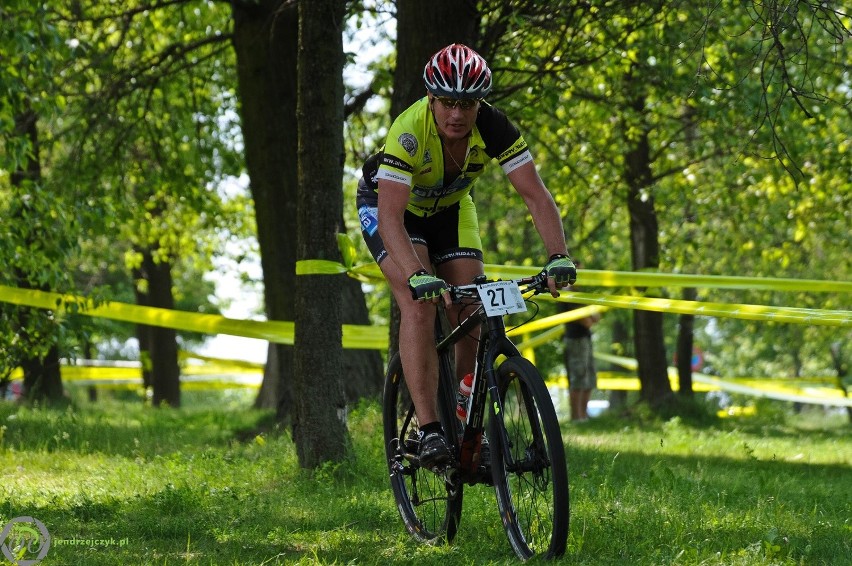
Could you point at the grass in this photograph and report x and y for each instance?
(199, 486)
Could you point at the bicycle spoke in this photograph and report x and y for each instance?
(530, 477)
(429, 507)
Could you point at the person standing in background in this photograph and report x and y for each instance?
(580, 361)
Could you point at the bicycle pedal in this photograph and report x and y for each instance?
(411, 445)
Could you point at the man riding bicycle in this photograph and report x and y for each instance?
(416, 210)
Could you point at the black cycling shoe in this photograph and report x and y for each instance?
(434, 451)
(485, 452)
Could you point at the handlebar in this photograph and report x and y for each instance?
(535, 285)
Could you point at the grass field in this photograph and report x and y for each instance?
(116, 483)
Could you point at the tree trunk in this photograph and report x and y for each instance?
(645, 248)
(42, 376)
(621, 346)
(685, 341)
(319, 416)
(362, 369)
(165, 369)
(422, 29)
(162, 354)
(842, 370)
(143, 332)
(265, 42)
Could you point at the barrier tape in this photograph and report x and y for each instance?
(605, 278)
(279, 332)
(376, 337)
(222, 373)
(796, 315)
(601, 278)
(796, 391)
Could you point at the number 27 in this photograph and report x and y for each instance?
(492, 293)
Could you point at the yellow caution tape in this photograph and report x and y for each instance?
(599, 278)
(354, 336)
(778, 388)
(372, 337)
(603, 278)
(557, 319)
(750, 312)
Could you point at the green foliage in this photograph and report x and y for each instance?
(746, 111)
(750, 155)
(137, 115)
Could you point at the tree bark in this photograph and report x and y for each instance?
(42, 376)
(645, 250)
(161, 357)
(621, 346)
(685, 341)
(265, 42)
(362, 369)
(319, 416)
(842, 369)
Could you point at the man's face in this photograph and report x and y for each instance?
(455, 118)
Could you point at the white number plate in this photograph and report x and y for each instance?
(501, 297)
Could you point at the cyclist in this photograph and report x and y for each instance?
(416, 212)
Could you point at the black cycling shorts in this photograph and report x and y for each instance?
(450, 234)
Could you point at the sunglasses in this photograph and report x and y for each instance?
(463, 103)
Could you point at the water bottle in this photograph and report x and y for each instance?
(463, 396)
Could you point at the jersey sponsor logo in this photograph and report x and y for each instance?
(519, 146)
(513, 164)
(460, 184)
(396, 163)
(427, 156)
(474, 167)
(458, 253)
(369, 216)
(408, 143)
(393, 176)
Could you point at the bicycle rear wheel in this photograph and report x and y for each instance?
(532, 484)
(429, 504)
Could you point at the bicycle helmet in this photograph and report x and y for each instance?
(457, 71)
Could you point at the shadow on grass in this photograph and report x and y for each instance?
(627, 507)
(135, 432)
(638, 506)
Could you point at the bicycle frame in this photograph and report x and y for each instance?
(527, 466)
(493, 343)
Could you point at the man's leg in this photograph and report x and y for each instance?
(584, 396)
(462, 271)
(575, 396)
(416, 343)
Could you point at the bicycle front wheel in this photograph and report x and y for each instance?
(528, 462)
(430, 506)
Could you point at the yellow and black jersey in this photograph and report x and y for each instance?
(413, 155)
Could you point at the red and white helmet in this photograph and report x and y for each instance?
(457, 71)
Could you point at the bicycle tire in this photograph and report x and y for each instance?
(532, 497)
(429, 505)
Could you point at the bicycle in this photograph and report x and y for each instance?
(527, 467)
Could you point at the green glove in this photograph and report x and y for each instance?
(425, 286)
(562, 269)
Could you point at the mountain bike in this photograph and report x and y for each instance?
(524, 458)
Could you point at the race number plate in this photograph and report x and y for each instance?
(501, 297)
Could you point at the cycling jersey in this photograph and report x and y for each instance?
(413, 155)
